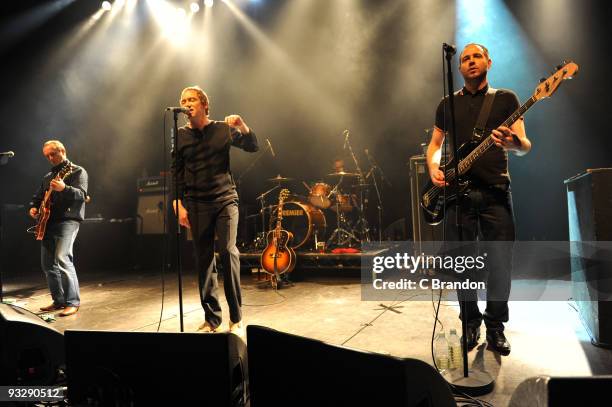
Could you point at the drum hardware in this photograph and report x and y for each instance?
(280, 179)
(361, 226)
(341, 236)
(261, 237)
(373, 171)
(305, 221)
(319, 195)
(343, 174)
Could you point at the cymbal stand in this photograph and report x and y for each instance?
(372, 172)
(362, 222)
(340, 234)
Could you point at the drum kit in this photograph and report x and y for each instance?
(341, 200)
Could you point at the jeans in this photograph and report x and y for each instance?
(208, 220)
(57, 262)
(487, 214)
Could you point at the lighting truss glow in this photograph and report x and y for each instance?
(106, 6)
(208, 3)
(195, 7)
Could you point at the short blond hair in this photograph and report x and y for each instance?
(56, 143)
(201, 94)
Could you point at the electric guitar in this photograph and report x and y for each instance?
(278, 258)
(44, 212)
(433, 199)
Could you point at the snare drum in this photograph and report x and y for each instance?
(303, 220)
(345, 202)
(319, 195)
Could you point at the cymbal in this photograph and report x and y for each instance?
(342, 174)
(278, 178)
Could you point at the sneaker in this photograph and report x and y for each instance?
(237, 329)
(207, 327)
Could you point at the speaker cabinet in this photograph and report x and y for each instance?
(151, 210)
(589, 198)
(31, 352)
(419, 175)
(290, 370)
(545, 391)
(149, 368)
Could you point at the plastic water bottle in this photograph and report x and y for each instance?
(454, 350)
(441, 351)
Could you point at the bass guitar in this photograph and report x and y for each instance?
(44, 211)
(434, 199)
(278, 258)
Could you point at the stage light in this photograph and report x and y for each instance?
(208, 3)
(195, 7)
(106, 6)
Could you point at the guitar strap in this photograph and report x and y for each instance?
(485, 110)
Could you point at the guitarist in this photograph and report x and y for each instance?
(487, 208)
(67, 212)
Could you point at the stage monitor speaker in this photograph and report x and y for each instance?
(290, 370)
(545, 391)
(419, 175)
(31, 352)
(150, 368)
(151, 210)
(589, 195)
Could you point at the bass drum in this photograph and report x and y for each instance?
(304, 221)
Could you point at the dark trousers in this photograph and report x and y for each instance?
(487, 214)
(207, 220)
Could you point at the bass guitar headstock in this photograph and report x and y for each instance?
(549, 85)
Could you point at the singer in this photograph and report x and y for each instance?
(208, 202)
(487, 208)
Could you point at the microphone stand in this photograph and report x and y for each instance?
(3, 160)
(473, 383)
(252, 164)
(262, 198)
(174, 141)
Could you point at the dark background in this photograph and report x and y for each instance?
(299, 72)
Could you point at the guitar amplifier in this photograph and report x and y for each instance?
(589, 195)
(152, 206)
(151, 185)
(419, 175)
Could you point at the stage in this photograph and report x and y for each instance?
(547, 337)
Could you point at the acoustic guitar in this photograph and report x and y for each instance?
(278, 258)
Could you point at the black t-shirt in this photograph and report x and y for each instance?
(492, 167)
(203, 161)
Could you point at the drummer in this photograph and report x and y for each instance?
(338, 165)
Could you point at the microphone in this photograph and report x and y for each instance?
(271, 149)
(178, 110)
(346, 138)
(8, 154)
(449, 48)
